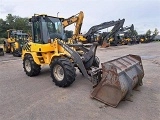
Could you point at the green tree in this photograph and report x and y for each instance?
(22, 24)
(14, 22)
(3, 27)
(148, 33)
(10, 20)
(156, 31)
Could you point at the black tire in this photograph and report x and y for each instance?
(96, 62)
(2, 53)
(16, 53)
(114, 43)
(67, 77)
(34, 68)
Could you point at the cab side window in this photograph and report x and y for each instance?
(37, 33)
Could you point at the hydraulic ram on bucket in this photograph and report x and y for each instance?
(119, 77)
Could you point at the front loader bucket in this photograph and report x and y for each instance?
(119, 77)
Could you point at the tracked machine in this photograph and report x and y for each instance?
(108, 38)
(127, 35)
(88, 37)
(111, 83)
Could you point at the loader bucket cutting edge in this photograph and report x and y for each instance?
(119, 77)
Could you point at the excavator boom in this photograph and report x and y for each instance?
(101, 26)
(117, 25)
(78, 19)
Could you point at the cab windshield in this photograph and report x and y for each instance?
(52, 28)
(47, 28)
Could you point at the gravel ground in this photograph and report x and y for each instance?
(37, 98)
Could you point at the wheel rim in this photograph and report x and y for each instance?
(28, 65)
(58, 72)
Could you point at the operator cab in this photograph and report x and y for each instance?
(46, 28)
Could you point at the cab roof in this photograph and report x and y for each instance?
(44, 15)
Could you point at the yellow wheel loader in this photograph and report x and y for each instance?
(14, 43)
(8, 44)
(111, 83)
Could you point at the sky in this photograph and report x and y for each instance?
(144, 14)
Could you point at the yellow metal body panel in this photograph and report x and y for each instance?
(128, 39)
(44, 53)
(142, 40)
(81, 38)
(16, 45)
(111, 39)
(10, 40)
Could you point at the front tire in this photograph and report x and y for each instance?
(30, 67)
(63, 72)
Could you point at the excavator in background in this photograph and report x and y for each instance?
(111, 83)
(78, 19)
(14, 43)
(105, 41)
(126, 35)
(143, 38)
(89, 36)
(151, 38)
(106, 38)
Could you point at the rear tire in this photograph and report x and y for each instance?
(16, 53)
(30, 67)
(63, 72)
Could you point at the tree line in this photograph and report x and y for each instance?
(19, 23)
(13, 22)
